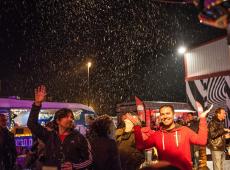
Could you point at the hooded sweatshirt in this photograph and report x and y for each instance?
(174, 145)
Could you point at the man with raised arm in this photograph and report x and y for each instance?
(172, 140)
(65, 148)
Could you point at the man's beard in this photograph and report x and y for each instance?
(166, 126)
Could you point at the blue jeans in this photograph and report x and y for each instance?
(218, 158)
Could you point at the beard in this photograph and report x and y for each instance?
(167, 123)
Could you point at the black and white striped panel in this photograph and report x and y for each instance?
(194, 94)
(227, 88)
(215, 90)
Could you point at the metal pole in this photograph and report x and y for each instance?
(88, 86)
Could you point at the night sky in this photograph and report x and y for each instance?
(131, 44)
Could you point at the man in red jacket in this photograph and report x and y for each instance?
(172, 140)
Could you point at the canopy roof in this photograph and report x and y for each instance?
(6, 103)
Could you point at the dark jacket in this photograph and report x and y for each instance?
(8, 152)
(74, 148)
(105, 154)
(216, 140)
(131, 157)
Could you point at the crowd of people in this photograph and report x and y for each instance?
(58, 145)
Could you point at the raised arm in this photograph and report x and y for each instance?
(32, 123)
(202, 136)
(141, 144)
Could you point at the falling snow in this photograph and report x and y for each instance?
(131, 44)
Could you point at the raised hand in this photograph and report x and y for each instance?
(40, 95)
(201, 112)
(133, 119)
(199, 108)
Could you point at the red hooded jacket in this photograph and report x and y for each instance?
(174, 145)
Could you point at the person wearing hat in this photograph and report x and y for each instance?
(65, 147)
(8, 151)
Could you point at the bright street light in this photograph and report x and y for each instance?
(181, 50)
(89, 64)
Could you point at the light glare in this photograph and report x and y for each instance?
(89, 64)
(182, 50)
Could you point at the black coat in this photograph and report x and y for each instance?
(105, 154)
(131, 157)
(8, 152)
(216, 139)
(74, 148)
